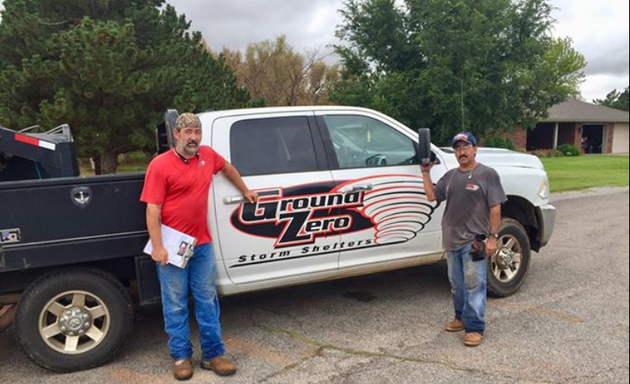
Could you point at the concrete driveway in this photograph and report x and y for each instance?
(567, 324)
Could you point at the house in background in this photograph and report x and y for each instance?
(594, 128)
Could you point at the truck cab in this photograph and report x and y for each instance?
(342, 194)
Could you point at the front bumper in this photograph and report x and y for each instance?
(548, 221)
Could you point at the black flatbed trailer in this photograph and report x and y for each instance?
(70, 251)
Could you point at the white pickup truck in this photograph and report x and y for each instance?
(341, 194)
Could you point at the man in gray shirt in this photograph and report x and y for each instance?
(473, 195)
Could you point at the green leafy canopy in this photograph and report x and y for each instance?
(615, 99)
(455, 64)
(109, 68)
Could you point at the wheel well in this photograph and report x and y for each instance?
(17, 281)
(523, 211)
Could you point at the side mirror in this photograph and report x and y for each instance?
(423, 149)
(165, 137)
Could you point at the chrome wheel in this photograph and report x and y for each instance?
(74, 322)
(506, 262)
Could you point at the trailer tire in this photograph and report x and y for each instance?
(73, 319)
(509, 266)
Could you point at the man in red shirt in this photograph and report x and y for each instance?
(176, 192)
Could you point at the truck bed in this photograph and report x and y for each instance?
(63, 221)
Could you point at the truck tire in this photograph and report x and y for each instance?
(73, 319)
(508, 267)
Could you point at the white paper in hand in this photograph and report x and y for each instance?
(180, 246)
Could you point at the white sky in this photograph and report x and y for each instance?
(598, 28)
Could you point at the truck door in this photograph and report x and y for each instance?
(375, 155)
(294, 228)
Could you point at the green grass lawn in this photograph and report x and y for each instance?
(124, 168)
(577, 173)
(138, 166)
(132, 168)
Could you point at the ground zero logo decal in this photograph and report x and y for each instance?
(393, 211)
(299, 216)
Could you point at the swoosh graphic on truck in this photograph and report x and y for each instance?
(396, 208)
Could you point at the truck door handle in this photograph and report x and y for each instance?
(81, 196)
(357, 188)
(229, 200)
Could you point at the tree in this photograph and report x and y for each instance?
(452, 64)
(108, 68)
(614, 99)
(276, 75)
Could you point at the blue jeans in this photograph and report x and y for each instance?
(468, 288)
(198, 278)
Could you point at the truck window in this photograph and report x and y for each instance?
(271, 146)
(361, 141)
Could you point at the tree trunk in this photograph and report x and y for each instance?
(106, 164)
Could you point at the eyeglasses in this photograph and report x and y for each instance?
(462, 147)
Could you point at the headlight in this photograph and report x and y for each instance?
(543, 192)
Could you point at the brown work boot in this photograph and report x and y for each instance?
(182, 369)
(454, 325)
(220, 366)
(472, 339)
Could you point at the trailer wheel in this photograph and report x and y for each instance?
(73, 319)
(508, 267)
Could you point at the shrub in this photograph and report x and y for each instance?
(569, 150)
(499, 142)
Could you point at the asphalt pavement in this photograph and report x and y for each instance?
(567, 324)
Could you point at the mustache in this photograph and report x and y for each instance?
(463, 156)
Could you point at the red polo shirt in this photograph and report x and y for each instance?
(182, 190)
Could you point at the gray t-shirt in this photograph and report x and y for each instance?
(469, 196)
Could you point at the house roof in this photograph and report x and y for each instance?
(576, 111)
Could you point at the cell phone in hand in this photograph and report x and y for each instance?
(478, 249)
